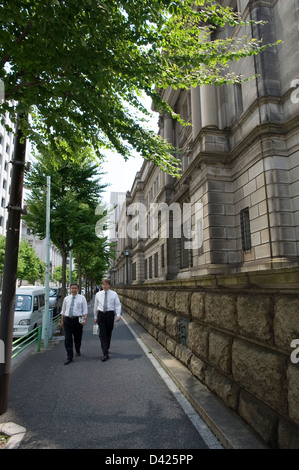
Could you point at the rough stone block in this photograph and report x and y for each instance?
(146, 311)
(153, 297)
(221, 310)
(157, 317)
(183, 354)
(261, 372)
(171, 325)
(197, 305)
(162, 299)
(288, 435)
(286, 321)
(198, 339)
(197, 367)
(222, 386)
(255, 318)
(220, 351)
(152, 330)
(259, 416)
(293, 387)
(162, 338)
(182, 305)
(171, 345)
(171, 300)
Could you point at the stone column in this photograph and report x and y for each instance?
(195, 111)
(208, 106)
(168, 135)
(168, 128)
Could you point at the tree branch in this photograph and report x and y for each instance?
(18, 41)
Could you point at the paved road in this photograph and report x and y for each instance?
(120, 404)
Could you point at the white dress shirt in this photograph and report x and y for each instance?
(80, 306)
(113, 302)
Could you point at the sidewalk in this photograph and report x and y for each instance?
(120, 404)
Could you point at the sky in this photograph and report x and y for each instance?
(120, 174)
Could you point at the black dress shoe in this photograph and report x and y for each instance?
(105, 358)
(68, 361)
(78, 354)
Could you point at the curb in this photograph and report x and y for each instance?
(15, 433)
(227, 426)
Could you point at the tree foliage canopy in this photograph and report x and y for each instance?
(79, 67)
(74, 196)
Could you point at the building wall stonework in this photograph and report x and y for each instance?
(228, 308)
(234, 333)
(239, 159)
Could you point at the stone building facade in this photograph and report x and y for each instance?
(231, 216)
(240, 165)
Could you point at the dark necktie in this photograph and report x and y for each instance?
(105, 302)
(72, 307)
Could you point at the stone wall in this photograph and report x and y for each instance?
(234, 333)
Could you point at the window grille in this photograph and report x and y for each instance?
(156, 270)
(245, 229)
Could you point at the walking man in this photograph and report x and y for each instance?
(106, 306)
(73, 316)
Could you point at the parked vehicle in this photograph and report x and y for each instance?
(29, 308)
(55, 300)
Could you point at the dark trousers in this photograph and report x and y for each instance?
(72, 329)
(105, 321)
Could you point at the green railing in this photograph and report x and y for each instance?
(55, 323)
(22, 343)
(34, 335)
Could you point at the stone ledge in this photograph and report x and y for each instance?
(15, 434)
(230, 429)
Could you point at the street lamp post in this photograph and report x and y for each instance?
(127, 254)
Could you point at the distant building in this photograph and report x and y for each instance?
(116, 201)
(6, 156)
(240, 168)
(40, 247)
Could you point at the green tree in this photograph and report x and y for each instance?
(91, 246)
(75, 193)
(57, 274)
(79, 67)
(30, 267)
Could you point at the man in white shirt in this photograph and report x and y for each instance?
(73, 316)
(106, 306)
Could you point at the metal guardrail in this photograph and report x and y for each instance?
(22, 343)
(55, 322)
(34, 335)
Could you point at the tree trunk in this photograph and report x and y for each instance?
(63, 273)
(79, 266)
(11, 264)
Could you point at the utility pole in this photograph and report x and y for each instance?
(11, 261)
